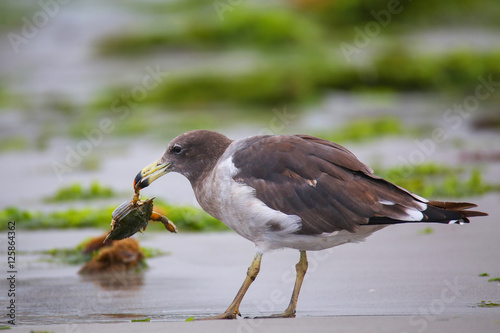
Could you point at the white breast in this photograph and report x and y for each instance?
(235, 204)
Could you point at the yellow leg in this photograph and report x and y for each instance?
(234, 309)
(301, 268)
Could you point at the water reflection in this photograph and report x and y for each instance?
(117, 280)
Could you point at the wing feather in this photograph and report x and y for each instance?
(325, 185)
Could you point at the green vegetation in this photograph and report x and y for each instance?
(488, 304)
(186, 218)
(301, 77)
(296, 53)
(76, 192)
(426, 231)
(141, 320)
(248, 27)
(14, 143)
(496, 279)
(276, 81)
(484, 274)
(6, 99)
(365, 129)
(300, 24)
(262, 87)
(437, 181)
(91, 163)
(190, 318)
(70, 218)
(424, 14)
(12, 12)
(73, 256)
(457, 71)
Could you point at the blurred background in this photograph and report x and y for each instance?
(92, 91)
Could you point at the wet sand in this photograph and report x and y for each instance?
(484, 324)
(398, 279)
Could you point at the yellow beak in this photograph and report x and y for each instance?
(150, 173)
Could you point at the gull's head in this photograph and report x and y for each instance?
(191, 154)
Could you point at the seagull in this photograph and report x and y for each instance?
(292, 191)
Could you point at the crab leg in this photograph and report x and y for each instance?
(169, 225)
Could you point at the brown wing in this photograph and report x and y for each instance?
(326, 185)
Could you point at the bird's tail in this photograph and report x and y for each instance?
(438, 212)
(450, 212)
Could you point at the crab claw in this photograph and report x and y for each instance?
(169, 225)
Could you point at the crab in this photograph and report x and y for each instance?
(133, 216)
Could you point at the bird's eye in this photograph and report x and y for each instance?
(176, 149)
